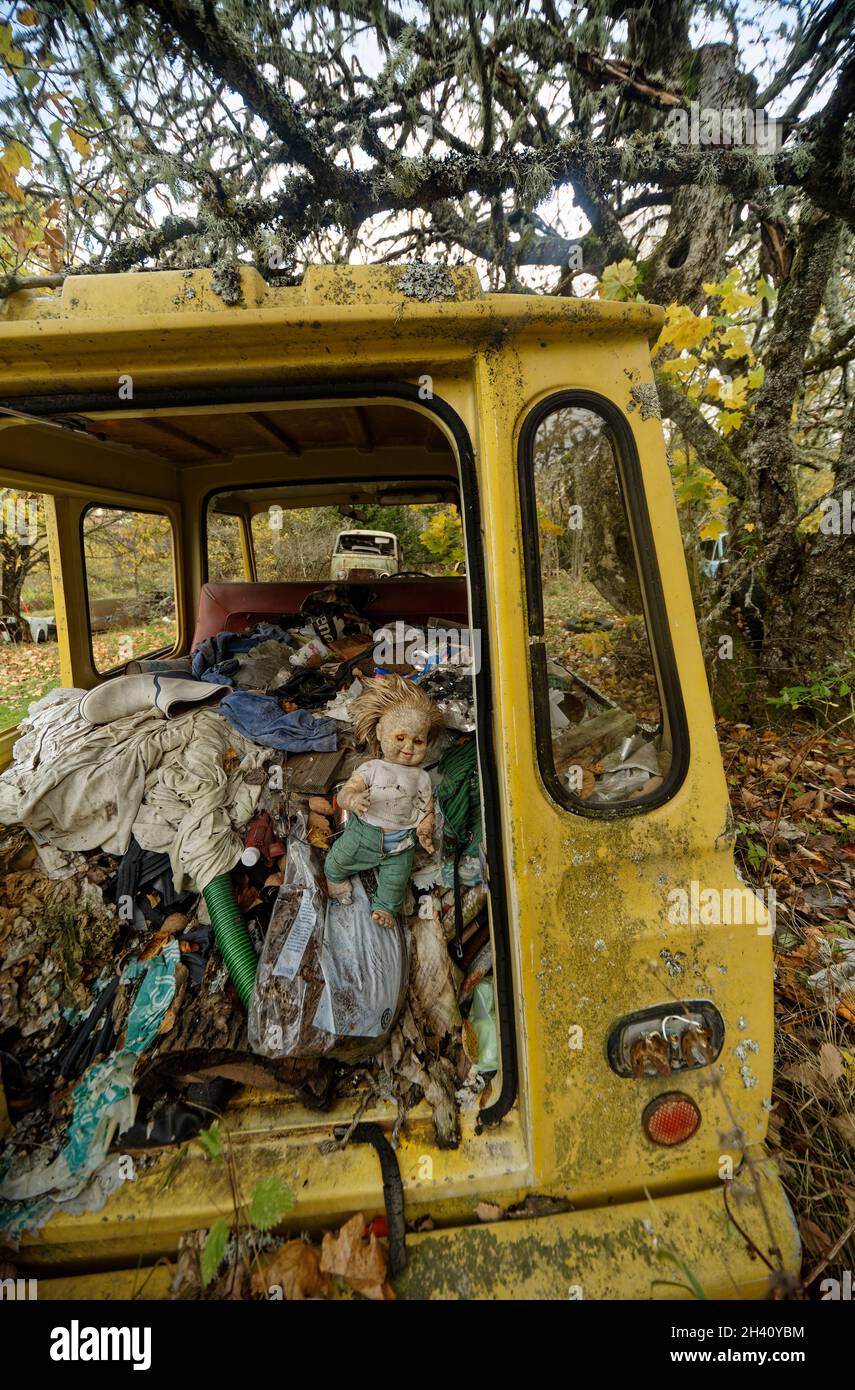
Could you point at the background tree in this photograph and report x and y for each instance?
(521, 136)
(442, 537)
(128, 554)
(23, 553)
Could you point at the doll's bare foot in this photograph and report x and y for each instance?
(385, 919)
(341, 892)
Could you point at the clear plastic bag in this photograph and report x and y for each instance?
(331, 981)
(365, 968)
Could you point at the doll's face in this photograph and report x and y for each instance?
(403, 736)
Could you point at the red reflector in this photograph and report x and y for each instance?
(670, 1119)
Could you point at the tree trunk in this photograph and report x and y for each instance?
(695, 243)
(821, 628)
(13, 574)
(772, 502)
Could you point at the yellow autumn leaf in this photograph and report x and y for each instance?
(5, 38)
(683, 329)
(681, 366)
(756, 376)
(712, 389)
(9, 186)
(593, 643)
(732, 298)
(80, 143)
(848, 1060)
(736, 344)
(11, 160)
(711, 530)
(716, 288)
(693, 392)
(618, 281)
(720, 500)
(738, 299)
(27, 17)
(736, 393)
(764, 289)
(730, 420)
(16, 156)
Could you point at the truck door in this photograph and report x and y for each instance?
(623, 1005)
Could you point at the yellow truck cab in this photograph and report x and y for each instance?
(621, 1142)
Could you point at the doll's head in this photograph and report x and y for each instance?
(395, 718)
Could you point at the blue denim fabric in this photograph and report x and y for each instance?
(262, 719)
(216, 653)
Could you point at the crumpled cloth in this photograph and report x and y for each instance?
(81, 785)
(192, 805)
(162, 780)
(262, 719)
(215, 658)
(264, 668)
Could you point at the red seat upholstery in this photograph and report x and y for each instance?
(233, 607)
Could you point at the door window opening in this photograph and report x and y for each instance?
(605, 736)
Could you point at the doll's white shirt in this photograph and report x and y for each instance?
(400, 796)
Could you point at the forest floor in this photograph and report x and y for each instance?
(28, 670)
(792, 789)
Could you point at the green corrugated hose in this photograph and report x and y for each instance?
(231, 935)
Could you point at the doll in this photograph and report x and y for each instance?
(389, 799)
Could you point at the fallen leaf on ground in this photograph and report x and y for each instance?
(814, 1237)
(845, 1126)
(359, 1262)
(296, 1267)
(831, 1062)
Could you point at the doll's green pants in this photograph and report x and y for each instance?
(360, 846)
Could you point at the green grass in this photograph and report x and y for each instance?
(28, 670)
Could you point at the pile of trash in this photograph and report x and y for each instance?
(168, 930)
(603, 754)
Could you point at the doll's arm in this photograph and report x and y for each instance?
(355, 795)
(425, 827)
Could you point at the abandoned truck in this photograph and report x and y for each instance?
(197, 810)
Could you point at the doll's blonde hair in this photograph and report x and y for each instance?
(385, 695)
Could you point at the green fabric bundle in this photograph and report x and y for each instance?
(459, 796)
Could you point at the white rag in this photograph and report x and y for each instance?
(162, 780)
